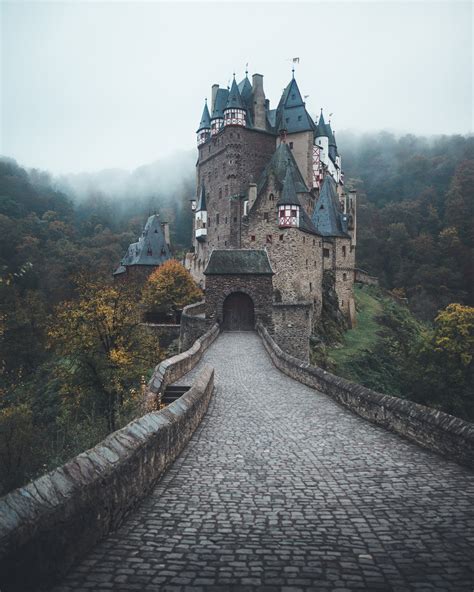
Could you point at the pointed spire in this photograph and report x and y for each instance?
(205, 118)
(288, 193)
(235, 100)
(321, 128)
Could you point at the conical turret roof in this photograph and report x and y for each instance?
(219, 104)
(288, 192)
(234, 100)
(321, 128)
(205, 122)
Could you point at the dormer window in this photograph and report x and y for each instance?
(149, 252)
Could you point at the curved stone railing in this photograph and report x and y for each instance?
(48, 524)
(193, 324)
(174, 368)
(432, 429)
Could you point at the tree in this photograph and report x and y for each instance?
(441, 371)
(104, 350)
(170, 287)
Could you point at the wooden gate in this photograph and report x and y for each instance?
(238, 312)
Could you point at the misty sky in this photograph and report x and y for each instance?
(89, 85)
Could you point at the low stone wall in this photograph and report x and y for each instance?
(172, 369)
(362, 277)
(51, 522)
(435, 430)
(192, 325)
(292, 327)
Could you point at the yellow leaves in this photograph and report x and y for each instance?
(120, 357)
(454, 332)
(170, 287)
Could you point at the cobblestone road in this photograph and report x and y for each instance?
(282, 489)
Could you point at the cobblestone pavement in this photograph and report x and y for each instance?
(282, 489)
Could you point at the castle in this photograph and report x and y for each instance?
(271, 180)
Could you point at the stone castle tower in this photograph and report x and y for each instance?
(271, 179)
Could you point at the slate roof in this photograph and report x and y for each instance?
(205, 119)
(321, 128)
(288, 193)
(245, 89)
(221, 100)
(150, 249)
(238, 262)
(327, 218)
(282, 159)
(291, 111)
(201, 204)
(234, 100)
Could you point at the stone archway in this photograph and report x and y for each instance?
(238, 312)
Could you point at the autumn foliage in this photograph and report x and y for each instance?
(170, 287)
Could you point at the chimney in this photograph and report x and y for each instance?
(166, 231)
(215, 88)
(252, 194)
(259, 102)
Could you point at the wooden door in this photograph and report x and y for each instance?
(238, 312)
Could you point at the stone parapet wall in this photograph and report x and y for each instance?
(432, 429)
(174, 368)
(192, 325)
(362, 277)
(48, 524)
(292, 327)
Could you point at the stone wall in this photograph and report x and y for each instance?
(295, 256)
(192, 325)
(362, 277)
(258, 287)
(292, 327)
(432, 429)
(51, 522)
(172, 369)
(227, 163)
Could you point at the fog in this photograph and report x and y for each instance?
(89, 86)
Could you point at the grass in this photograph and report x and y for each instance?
(364, 336)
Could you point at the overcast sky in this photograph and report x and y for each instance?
(89, 85)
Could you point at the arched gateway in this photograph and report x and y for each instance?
(238, 312)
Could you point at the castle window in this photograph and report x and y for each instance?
(269, 238)
(326, 253)
(252, 238)
(217, 219)
(291, 145)
(306, 263)
(225, 243)
(235, 219)
(265, 216)
(281, 237)
(220, 192)
(225, 220)
(271, 197)
(314, 242)
(310, 287)
(343, 251)
(344, 276)
(299, 117)
(304, 240)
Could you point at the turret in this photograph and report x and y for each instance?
(201, 216)
(204, 129)
(234, 112)
(288, 205)
(322, 139)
